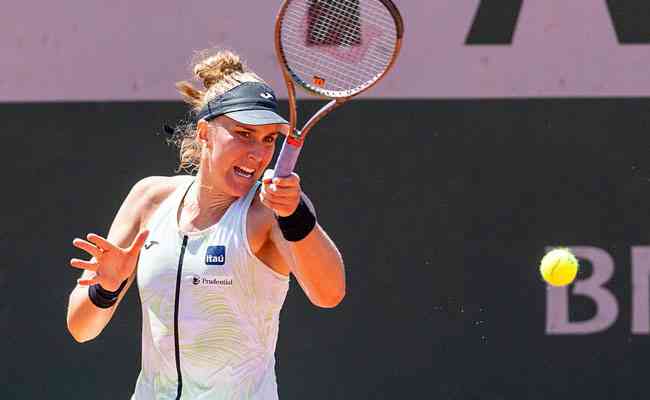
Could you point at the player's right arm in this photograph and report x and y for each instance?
(114, 258)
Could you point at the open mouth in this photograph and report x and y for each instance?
(244, 172)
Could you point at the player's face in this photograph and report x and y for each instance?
(239, 153)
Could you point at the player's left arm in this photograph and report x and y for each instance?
(314, 260)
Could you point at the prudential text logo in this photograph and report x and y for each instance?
(215, 255)
(213, 281)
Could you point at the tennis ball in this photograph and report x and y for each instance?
(559, 267)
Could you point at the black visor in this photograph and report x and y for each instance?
(251, 103)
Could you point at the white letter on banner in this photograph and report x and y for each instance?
(640, 299)
(557, 298)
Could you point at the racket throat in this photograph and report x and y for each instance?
(295, 139)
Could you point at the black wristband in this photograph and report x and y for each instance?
(297, 226)
(103, 298)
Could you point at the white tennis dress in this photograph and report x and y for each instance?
(210, 309)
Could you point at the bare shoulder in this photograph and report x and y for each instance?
(156, 189)
(148, 193)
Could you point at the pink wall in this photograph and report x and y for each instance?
(136, 50)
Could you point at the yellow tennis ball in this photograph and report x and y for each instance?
(559, 267)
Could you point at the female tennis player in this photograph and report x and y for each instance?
(212, 253)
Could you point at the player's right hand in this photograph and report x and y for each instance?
(110, 263)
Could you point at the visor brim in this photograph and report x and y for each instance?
(256, 117)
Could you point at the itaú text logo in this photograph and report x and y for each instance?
(558, 299)
(215, 255)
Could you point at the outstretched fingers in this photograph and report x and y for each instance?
(86, 282)
(100, 242)
(86, 265)
(87, 247)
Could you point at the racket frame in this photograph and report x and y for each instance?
(296, 137)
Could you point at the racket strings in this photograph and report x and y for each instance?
(344, 46)
(301, 55)
(335, 81)
(344, 43)
(304, 63)
(328, 14)
(329, 70)
(345, 37)
(342, 19)
(349, 22)
(372, 10)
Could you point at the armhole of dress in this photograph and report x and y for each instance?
(248, 201)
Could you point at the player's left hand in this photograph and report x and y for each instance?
(281, 195)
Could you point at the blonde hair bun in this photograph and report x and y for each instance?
(218, 67)
(219, 72)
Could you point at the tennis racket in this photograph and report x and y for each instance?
(334, 49)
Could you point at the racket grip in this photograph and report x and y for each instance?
(287, 158)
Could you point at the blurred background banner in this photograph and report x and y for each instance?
(135, 50)
(444, 296)
(519, 125)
